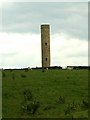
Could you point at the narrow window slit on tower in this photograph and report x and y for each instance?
(46, 44)
(46, 59)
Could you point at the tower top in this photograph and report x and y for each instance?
(45, 26)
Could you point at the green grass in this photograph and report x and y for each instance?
(46, 88)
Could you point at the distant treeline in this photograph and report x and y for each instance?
(80, 67)
(59, 67)
(51, 67)
(54, 67)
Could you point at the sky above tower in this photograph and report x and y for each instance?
(20, 34)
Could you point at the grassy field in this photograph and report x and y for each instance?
(49, 94)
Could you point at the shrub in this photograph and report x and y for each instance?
(3, 74)
(13, 77)
(85, 103)
(70, 108)
(26, 70)
(28, 95)
(30, 105)
(61, 100)
(23, 76)
(67, 77)
(11, 70)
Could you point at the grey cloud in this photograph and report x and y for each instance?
(78, 54)
(69, 18)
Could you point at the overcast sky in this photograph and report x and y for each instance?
(20, 40)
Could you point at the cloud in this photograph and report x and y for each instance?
(20, 50)
(25, 50)
(69, 18)
(69, 51)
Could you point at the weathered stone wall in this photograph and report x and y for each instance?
(45, 45)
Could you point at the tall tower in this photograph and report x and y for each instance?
(45, 45)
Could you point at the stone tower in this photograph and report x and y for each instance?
(45, 45)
